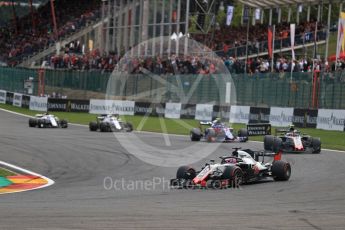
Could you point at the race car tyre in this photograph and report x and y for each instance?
(243, 133)
(103, 127)
(272, 143)
(129, 127)
(110, 128)
(39, 124)
(281, 170)
(268, 142)
(195, 134)
(47, 124)
(93, 126)
(63, 124)
(185, 172)
(210, 134)
(106, 127)
(316, 145)
(234, 174)
(42, 123)
(32, 122)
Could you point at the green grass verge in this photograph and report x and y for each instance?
(5, 173)
(330, 139)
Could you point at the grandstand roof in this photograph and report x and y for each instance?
(266, 4)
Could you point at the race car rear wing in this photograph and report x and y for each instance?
(205, 122)
(282, 130)
(255, 155)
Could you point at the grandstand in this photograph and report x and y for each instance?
(112, 27)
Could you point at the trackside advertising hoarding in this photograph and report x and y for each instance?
(328, 119)
(172, 110)
(222, 112)
(111, 107)
(259, 115)
(143, 108)
(78, 106)
(305, 118)
(9, 98)
(203, 112)
(38, 103)
(188, 111)
(25, 101)
(239, 114)
(281, 117)
(2, 96)
(257, 129)
(56, 104)
(17, 99)
(68, 105)
(331, 119)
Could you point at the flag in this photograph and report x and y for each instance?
(229, 15)
(270, 39)
(257, 14)
(245, 14)
(341, 37)
(292, 38)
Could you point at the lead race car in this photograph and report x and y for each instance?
(47, 120)
(294, 142)
(110, 123)
(241, 167)
(217, 131)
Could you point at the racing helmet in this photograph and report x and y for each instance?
(235, 153)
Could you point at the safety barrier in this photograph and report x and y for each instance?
(261, 89)
(328, 119)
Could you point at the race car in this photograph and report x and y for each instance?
(110, 123)
(294, 142)
(217, 131)
(47, 120)
(241, 167)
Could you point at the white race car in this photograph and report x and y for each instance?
(47, 121)
(110, 123)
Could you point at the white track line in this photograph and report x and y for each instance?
(177, 135)
(20, 114)
(50, 181)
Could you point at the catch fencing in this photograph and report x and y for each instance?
(299, 90)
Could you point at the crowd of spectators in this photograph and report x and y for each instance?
(21, 39)
(91, 61)
(74, 57)
(231, 41)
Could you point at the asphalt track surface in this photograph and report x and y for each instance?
(78, 161)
